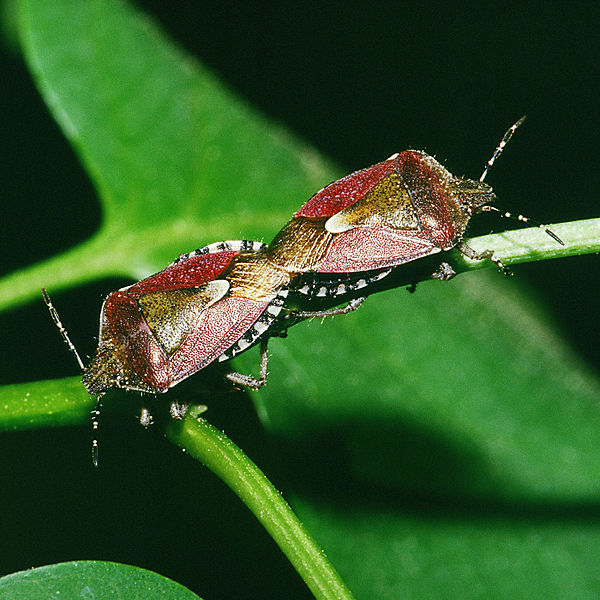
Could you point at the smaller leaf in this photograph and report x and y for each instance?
(91, 579)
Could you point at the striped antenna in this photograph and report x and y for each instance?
(61, 328)
(65, 336)
(505, 139)
(95, 417)
(498, 151)
(523, 219)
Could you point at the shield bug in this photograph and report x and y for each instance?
(208, 305)
(397, 211)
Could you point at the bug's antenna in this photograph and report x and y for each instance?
(61, 328)
(523, 219)
(67, 340)
(498, 151)
(505, 139)
(95, 416)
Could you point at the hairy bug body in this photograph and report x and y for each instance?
(397, 211)
(208, 305)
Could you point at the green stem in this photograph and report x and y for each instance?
(23, 406)
(212, 447)
(49, 403)
(528, 245)
(63, 402)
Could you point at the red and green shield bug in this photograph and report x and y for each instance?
(397, 211)
(208, 305)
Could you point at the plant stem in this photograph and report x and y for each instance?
(50, 403)
(531, 244)
(215, 450)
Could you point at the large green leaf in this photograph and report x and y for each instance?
(444, 444)
(176, 159)
(459, 389)
(441, 443)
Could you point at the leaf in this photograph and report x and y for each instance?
(513, 409)
(436, 549)
(445, 443)
(441, 443)
(90, 579)
(176, 159)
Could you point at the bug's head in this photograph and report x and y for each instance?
(104, 372)
(473, 195)
(120, 366)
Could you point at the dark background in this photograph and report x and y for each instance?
(359, 82)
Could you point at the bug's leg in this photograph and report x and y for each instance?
(178, 410)
(444, 272)
(249, 381)
(350, 307)
(146, 418)
(489, 254)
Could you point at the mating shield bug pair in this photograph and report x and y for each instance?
(217, 301)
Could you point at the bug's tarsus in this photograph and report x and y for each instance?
(486, 254)
(177, 410)
(146, 418)
(444, 272)
(61, 328)
(248, 381)
(523, 219)
(344, 310)
(498, 151)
